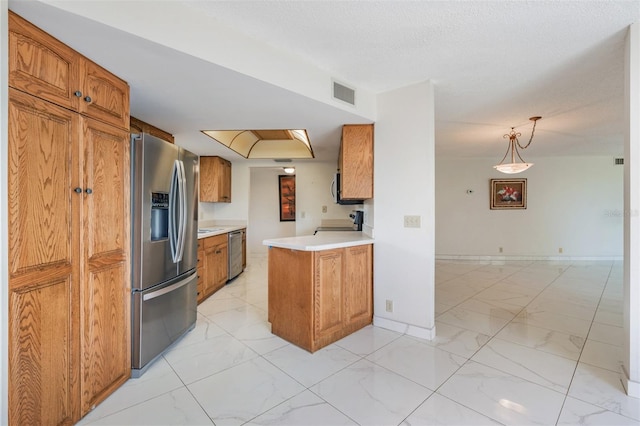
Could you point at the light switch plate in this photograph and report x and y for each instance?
(412, 221)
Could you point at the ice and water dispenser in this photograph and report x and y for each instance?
(159, 216)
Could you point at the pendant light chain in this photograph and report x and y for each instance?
(535, 121)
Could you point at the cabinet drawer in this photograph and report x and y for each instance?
(216, 240)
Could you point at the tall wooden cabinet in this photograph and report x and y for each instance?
(355, 162)
(318, 297)
(69, 236)
(215, 180)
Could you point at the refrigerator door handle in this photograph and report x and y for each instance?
(166, 290)
(173, 194)
(182, 231)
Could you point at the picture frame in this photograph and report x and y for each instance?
(287, 197)
(508, 194)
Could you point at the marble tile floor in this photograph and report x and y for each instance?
(517, 343)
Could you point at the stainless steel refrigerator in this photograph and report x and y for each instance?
(164, 252)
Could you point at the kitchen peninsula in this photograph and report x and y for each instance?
(320, 287)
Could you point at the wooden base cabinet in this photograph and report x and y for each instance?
(317, 298)
(216, 255)
(201, 270)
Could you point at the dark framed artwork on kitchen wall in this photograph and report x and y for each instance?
(287, 194)
(508, 194)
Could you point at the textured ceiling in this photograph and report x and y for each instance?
(494, 64)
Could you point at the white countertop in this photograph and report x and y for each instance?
(321, 241)
(217, 230)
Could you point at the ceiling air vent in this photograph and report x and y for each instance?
(618, 161)
(344, 93)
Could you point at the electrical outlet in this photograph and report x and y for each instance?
(499, 249)
(412, 221)
(389, 306)
(302, 215)
(324, 209)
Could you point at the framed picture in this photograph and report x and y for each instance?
(508, 194)
(287, 194)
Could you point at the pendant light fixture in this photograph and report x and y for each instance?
(514, 144)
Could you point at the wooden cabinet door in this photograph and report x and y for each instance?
(210, 259)
(201, 271)
(104, 96)
(215, 180)
(216, 264)
(222, 263)
(44, 278)
(356, 162)
(358, 289)
(106, 289)
(225, 181)
(328, 297)
(41, 65)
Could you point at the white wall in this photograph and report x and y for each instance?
(264, 210)
(254, 199)
(573, 203)
(404, 185)
(316, 180)
(4, 224)
(631, 310)
(238, 208)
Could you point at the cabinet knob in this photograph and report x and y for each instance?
(78, 190)
(87, 98)
(89, 191)
(77, 93)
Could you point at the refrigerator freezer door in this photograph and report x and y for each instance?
(161, 315)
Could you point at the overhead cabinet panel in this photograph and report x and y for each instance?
(104, 96)
(41, 65)
(215, 180)
(356, 162)
(44, 67)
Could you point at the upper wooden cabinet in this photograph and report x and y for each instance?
(44, 67)
(104, 96)
(215, 180)
(355, 162)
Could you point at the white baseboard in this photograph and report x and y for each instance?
(631, 387)
(408, 329)
(480, 258)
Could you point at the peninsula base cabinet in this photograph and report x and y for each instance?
(319, 297)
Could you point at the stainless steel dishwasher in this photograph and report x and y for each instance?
(235, 253)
